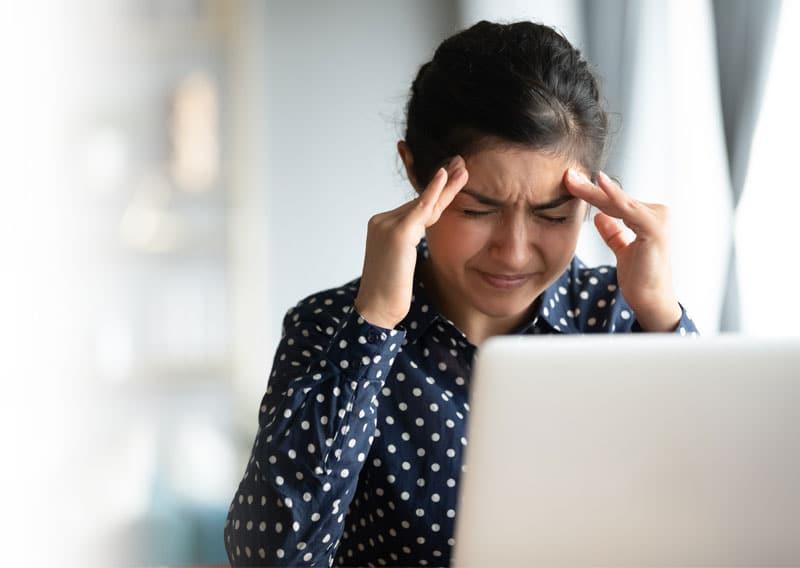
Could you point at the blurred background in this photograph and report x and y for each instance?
(177, 174)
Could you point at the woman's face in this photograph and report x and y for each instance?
(513, 217)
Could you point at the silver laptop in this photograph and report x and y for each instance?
(632, 450)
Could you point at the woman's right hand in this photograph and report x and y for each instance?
(384, 296)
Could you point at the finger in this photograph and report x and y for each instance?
(457, 181)
(430, 196)
(610, 199)
(612, 233)
(580, 186)
(637, 215)
(401, 210)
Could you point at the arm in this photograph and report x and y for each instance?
(316, 426)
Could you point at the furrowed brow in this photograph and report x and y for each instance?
(486, 200)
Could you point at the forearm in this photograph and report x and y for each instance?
(316, 427)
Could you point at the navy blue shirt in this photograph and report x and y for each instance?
(362, 428)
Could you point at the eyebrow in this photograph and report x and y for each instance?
(486, 200)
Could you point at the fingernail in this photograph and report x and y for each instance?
(577, 176)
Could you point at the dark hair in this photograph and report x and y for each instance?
(517, 84)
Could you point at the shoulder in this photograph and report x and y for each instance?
(598, 303)
(593, 281)
(329, 304)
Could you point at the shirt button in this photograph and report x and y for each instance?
(372, 337)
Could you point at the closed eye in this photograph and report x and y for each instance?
(554, 220)
(469, 213)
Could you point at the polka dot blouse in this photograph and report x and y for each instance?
(362, 428)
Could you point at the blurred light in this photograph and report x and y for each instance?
(114, 349)
(124, 473)
(201, 463)
(766, 219)
(107, 159)
(147, 224)
(194, 131)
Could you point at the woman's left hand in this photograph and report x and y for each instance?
(644, 273)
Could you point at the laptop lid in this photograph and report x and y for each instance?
(634, 450)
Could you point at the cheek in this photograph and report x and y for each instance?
(454, 240)
(558, 244)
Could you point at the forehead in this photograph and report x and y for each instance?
(511, 173)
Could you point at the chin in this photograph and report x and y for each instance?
(503, 305)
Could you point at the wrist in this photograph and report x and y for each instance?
(664, 318)
(373, 318)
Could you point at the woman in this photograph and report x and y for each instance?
(362, 427)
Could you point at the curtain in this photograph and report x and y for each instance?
(745, 38)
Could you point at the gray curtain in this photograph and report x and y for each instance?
(745, 37)
(745, 31)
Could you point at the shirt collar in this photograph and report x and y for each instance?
(555, 306)
(552, 308)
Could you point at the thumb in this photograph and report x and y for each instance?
(612, 232)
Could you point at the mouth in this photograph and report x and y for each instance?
(504, 281)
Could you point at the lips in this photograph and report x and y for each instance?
(504, 281)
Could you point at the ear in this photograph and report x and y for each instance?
(408, 161)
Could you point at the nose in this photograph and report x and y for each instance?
(511, 246)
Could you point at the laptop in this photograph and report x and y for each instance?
(632, 450)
